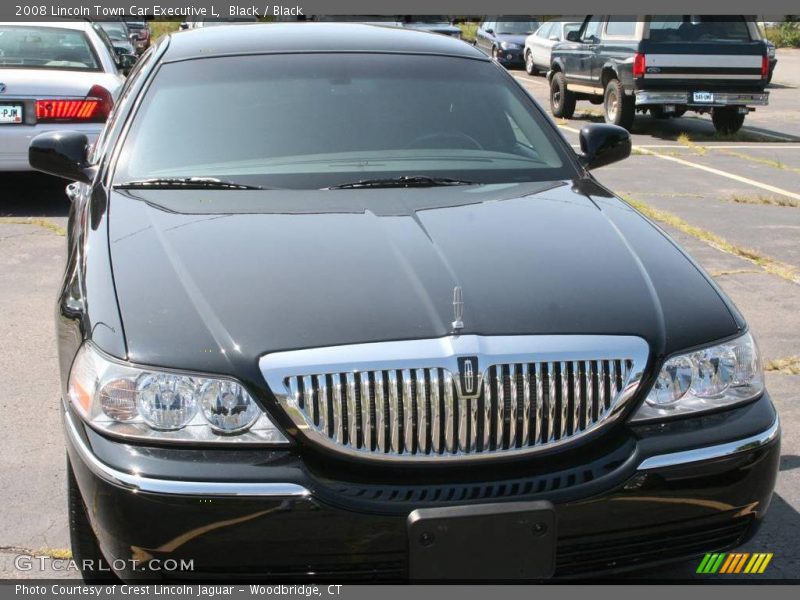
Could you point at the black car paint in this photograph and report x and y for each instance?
(140, 290)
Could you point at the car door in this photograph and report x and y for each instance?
(540, 48)
(482, 36)
(581, 59)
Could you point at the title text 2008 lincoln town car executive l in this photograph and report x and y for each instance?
(340, 302)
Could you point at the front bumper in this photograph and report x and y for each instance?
(685, 98)
(668, 492)
(510, 57)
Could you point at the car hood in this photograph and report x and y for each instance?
(211, 280)
(55, 82)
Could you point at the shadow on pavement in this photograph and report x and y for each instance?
(32, 195)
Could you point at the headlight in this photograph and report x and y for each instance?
(712, 377)
(509, 46)
(144, 403)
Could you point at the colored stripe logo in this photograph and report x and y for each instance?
(734, 563)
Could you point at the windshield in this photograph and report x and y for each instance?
(309, 121)
(517, 27)
(45, 48)
(116, 31)
(698, 28)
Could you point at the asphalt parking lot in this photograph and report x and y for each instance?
(733, 203)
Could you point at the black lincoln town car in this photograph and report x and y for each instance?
(341, 302)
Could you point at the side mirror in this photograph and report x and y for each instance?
(63, 154)
(125, 62)
(184, 25)
(554, 38)
(603, 144)
(490, 31)
(573, 36)
(133, 38)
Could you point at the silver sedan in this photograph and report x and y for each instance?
(52, 76)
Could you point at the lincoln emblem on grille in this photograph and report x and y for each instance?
(458, 308)
(468, 375)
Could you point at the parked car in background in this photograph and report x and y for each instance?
(143, 35)
(120, 36)
(539, 44)
(432, 24)
(504, 39)
(53, 76)
(666, 65)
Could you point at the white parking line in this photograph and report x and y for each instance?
(739, 178)
(686, 163)
(538, 81)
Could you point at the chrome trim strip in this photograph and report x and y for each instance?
(138, 483)
(711, 452)
(412, 358)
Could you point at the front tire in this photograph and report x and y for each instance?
(530, 67)
(562, 101)
(83, 541)
(727, 120)
(618, 108)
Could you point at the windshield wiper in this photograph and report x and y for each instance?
(405, 181)
(186, 183)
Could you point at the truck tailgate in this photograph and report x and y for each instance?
(709, 65)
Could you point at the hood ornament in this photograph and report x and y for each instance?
(458, 309)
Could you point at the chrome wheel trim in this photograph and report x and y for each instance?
(612, 104)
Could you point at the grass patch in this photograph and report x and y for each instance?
(159, 28)
(725, 272)
(770, 162)
(739, 136)
(769, 264)
(785, 366)
(785, 35)
(685, 140)
(469, 31)
(44, 223)
(765, 200)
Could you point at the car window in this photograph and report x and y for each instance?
(117, 32)
(32, 47)
(544, 30)
(621, 26)
(516, 27)
(567, 28)
(698, 28)
(592, 31)
(313, 121)
(488, 25)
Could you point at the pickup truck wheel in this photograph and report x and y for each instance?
(618, 108)
(83, 542)
(727, 119)
(530, 68)
(562, 101)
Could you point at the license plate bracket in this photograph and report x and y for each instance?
(515, 540)
(703, 97)
(11, 113)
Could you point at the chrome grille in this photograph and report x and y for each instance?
(396, 406)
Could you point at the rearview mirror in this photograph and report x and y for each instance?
(573, 36)
(63, 154)
(603, 144)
